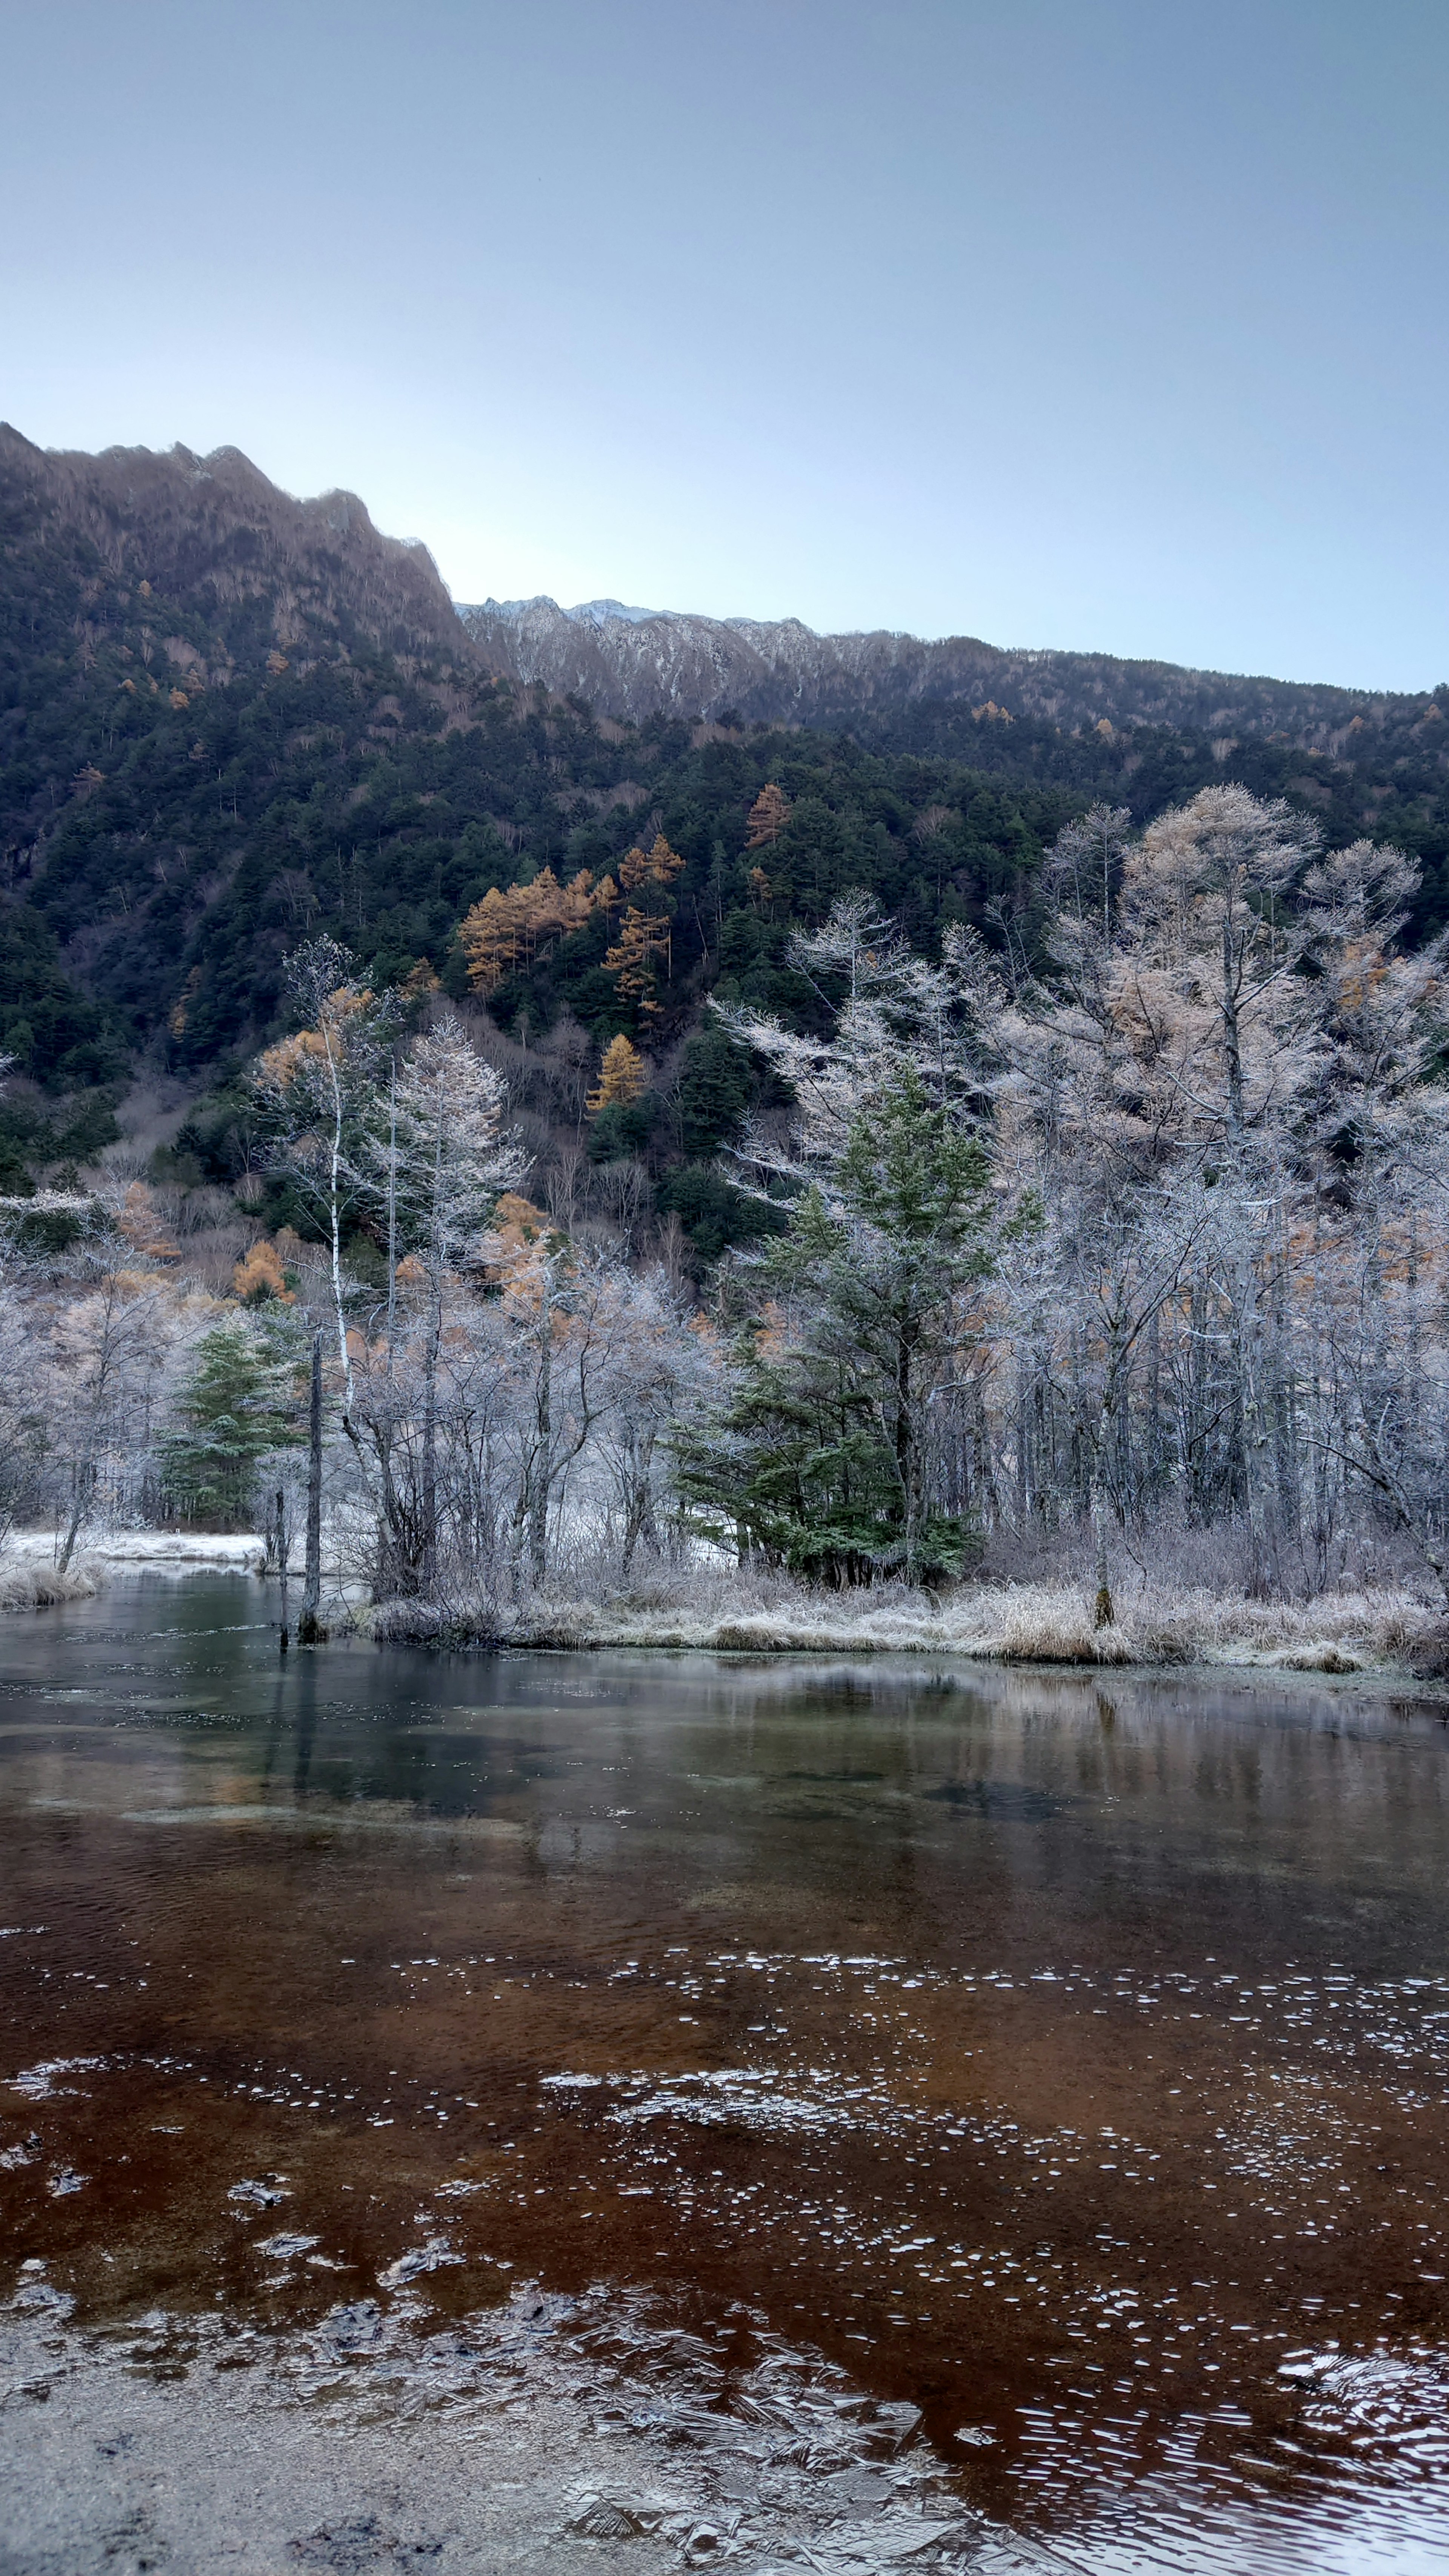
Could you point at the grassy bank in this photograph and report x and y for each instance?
(31, 1580)
(1343, 1632)
(1386, 1629)
(28, 1583)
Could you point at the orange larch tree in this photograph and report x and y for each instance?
(767, 817)
(621, 1077)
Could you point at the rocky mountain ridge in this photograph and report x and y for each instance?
(632, 664)
(270, 573)
(214, 534)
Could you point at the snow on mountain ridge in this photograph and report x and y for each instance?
(631, 664)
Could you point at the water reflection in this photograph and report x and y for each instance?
(1068, 2064)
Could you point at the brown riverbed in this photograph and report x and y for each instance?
(1054, 2072)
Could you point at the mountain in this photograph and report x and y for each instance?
(631, 663)
(301, 577)
(212, 533)
(230, 719)
(590, 612)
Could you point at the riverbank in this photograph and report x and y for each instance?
(30, 1578)
(1388, 1632)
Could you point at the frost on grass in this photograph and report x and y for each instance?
(1048, 1622)
(28, 1583)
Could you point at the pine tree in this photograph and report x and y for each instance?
(658, 866)
(820, 1455)
(642, 938)
(715, 1084)
(235, 1410)
(260, 1277)
(511, 924)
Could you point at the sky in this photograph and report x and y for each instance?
(1117, 327)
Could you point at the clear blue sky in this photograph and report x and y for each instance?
(1117, 325)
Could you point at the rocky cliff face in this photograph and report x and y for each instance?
(630, 664)
(213, 533)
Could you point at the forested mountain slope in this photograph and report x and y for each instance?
(229, 720)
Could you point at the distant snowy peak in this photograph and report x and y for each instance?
(612, 612)
(590, 612)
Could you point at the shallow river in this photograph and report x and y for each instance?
(1041, 2081)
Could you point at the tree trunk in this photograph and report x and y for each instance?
(430, 1445)
(539, 1482)
(284, 1550)
(78, 1513)
(1232, 1040)
(1103, 1613)
(309, 1627)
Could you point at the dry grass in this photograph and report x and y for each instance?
(1342, 1632)
(28, 1584)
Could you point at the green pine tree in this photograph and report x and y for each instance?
(235, 1409)
(818, 1458)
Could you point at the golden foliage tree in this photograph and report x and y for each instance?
(513, 923)
(643, 937)
(621, 1077)
(767, 817)
(260, 1277)
(141, 1224)
(656, 867)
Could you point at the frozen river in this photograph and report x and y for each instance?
(806, 2114)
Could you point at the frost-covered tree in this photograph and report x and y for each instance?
(318, 1089)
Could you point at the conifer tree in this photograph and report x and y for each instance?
(642, 938)
(621, 1077)
(235, 1410)
(767, 817)
(820, 1454)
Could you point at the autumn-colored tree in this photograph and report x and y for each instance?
(260, 1277)
(488, 937)
(512, 923)
(642, 938)
(621, 1077)
(645, 933)
(141, 1224)
(656, 867)
(767, 817)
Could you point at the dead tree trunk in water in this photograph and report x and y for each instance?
(309, 1626)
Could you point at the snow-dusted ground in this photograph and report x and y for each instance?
(30, 1578)
(188, 1551)
(715, 1607)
